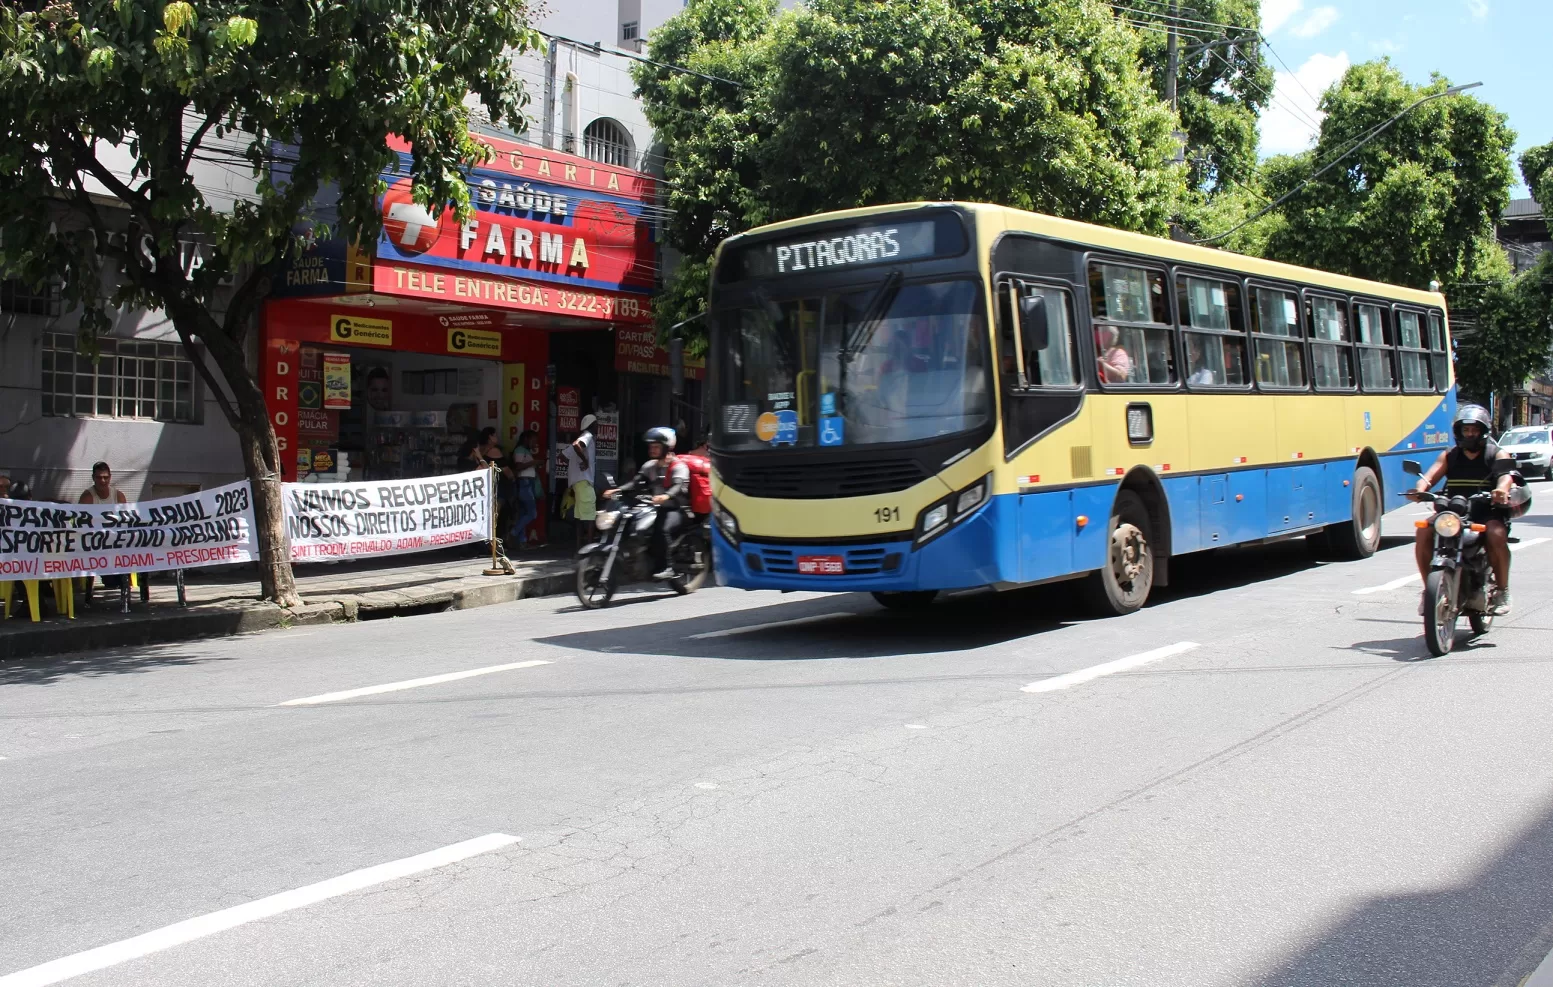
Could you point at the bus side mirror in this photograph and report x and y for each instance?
(677, 366)
(1032, 322)
(1412, 468)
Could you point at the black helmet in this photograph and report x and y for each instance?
(1472, 414)
(662, 435)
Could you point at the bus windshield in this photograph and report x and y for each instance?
(889, 363)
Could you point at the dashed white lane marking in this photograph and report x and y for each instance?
(1399, 583)
(1383, 587)
(229, 918)
(752, 628)
(373, 690)
(1070, 679)
(916, 726)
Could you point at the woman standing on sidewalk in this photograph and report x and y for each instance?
(527, 478)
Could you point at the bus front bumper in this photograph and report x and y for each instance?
(963, 557)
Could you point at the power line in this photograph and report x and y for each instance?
(1452, 91)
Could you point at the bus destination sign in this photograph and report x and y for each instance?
(855, 246)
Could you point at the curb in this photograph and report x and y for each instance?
(171, 625)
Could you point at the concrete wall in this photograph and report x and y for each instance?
(54, 454)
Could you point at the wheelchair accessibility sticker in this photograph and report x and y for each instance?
(832, 431)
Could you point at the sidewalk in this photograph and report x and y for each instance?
(227, 602)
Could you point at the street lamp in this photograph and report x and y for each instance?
(1452, 91)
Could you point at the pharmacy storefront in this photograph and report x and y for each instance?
(381, 364)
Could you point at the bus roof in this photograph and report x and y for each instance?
(1106, 238)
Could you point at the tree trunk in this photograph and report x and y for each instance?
(261, 461)
(261, 453)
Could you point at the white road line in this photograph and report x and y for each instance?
(1383, 587)
(229, 918)
(1399, 583)
(1127, 664)
(752, 628)
(373, 690)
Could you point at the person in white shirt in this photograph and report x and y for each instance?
(579, 471)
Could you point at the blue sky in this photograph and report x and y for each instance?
(1505, 44)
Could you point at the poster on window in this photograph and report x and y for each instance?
(57, 541)
(334, 521)
(337, 381)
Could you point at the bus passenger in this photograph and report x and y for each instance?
(1115, 364)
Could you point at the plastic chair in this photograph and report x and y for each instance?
(30, 589)
(64, 597)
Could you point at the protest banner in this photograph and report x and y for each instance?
(335, 521)
(55, 541)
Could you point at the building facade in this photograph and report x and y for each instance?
(1525, 233)
(377, 362)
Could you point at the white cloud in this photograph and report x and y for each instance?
(1287, 124)
(1477, 8)
(1276, 13)
(1319, 20)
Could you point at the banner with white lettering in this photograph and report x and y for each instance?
(337, 521)
(52, 541)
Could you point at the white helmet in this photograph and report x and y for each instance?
(662, 435)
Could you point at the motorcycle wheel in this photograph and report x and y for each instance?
(694, 556)
(1440, 612)
(592, 592)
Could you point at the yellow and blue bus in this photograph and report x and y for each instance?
(936, 396)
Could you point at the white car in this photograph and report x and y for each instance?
(1532, 448)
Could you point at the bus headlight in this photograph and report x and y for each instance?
(726, 522)
(950, 511)
(935, 518)
(1447, 525)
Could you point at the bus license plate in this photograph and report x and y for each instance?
(822, 565)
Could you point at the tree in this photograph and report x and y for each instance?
(314, 87)
(844, 103)
(1511, 319)
(1415, 204)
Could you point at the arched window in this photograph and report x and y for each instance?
(606, 142)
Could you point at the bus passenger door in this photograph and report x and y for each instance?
(1041, 389)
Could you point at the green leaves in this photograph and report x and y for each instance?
(1412, 205)
(177, 17)
(844, 103)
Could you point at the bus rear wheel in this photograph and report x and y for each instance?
(1122, 585)
(906, 601)
(1359, 536)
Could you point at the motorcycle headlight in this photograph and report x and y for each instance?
(1447, 525)
(606, 519)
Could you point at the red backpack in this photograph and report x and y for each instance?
(700, 482)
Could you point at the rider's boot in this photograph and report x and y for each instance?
(1500, 604)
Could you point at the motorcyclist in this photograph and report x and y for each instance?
(668, 480)
(1472, 466)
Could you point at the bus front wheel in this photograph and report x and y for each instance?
(1359, 536)
(1122, 585)
(906, 601)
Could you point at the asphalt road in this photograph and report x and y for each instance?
(742, 788)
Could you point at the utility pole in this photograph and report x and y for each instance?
(548, 130)
(1173, 58)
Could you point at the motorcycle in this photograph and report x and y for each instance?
(1460, 582)
(621, 553)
